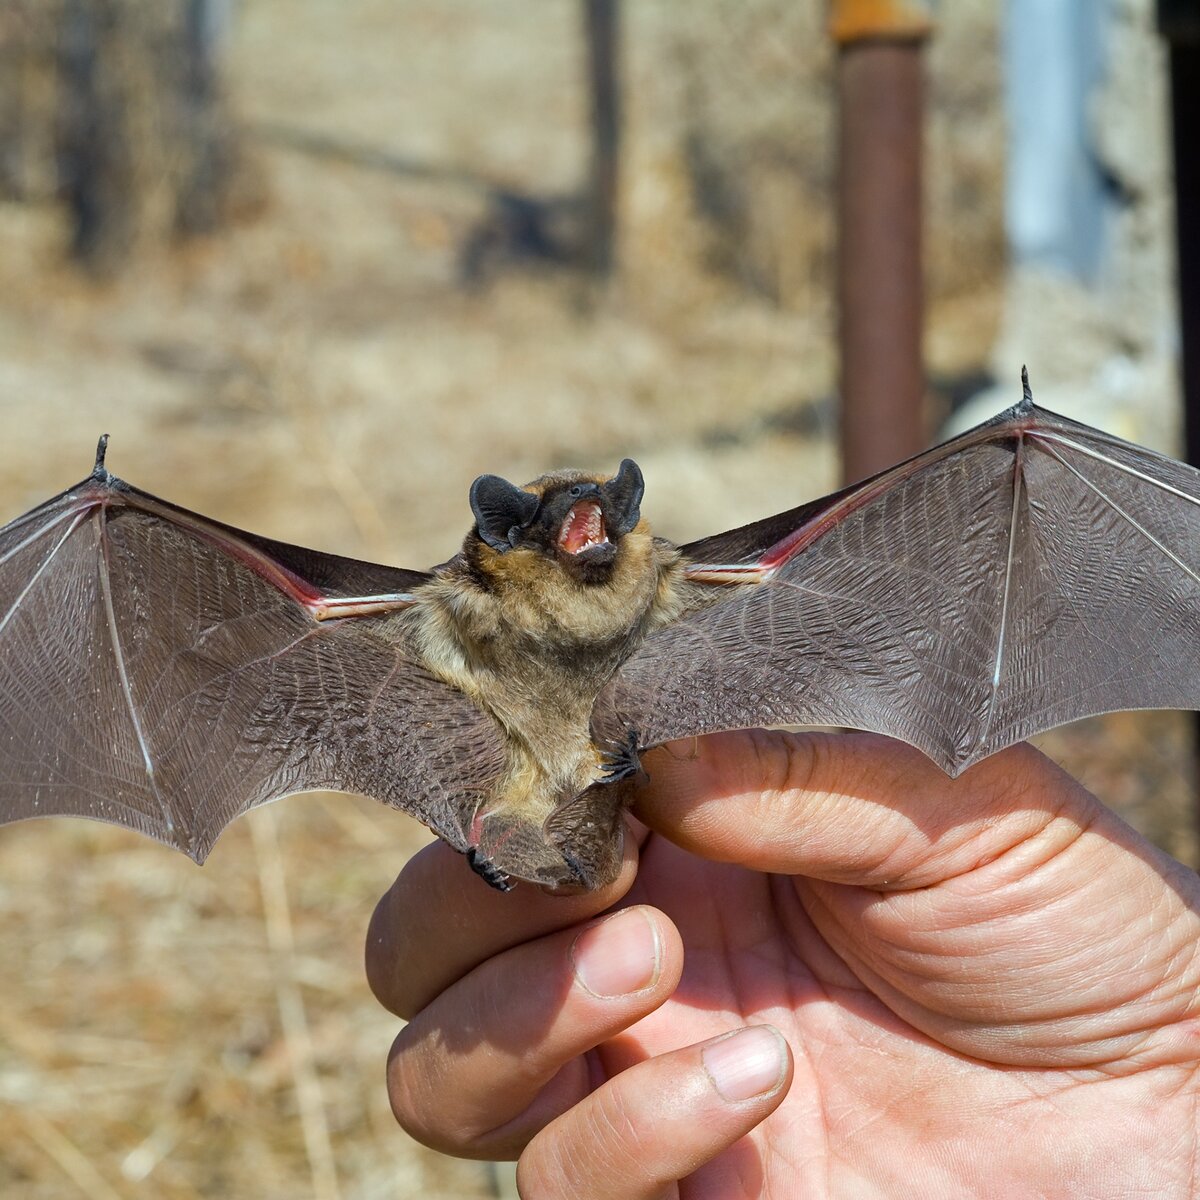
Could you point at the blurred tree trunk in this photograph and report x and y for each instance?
(602, 27)
(27, 100)
(206, 133)
(147, 145)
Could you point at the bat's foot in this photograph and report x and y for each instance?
(488, 871)
(622, 763)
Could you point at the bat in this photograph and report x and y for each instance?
(166, 672)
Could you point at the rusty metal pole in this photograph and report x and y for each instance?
(880, 85)
(602, 29)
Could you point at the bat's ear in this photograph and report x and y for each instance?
(624, 495)
(501, 510)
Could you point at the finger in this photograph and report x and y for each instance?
(851, 808)
(439, 920)
(975, 906)
(660, 1121)
(500, 1053)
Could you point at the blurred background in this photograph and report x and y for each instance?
(315, 266)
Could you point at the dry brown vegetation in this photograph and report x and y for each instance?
(321, 375)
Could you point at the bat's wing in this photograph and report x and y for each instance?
(1028, 573)
(165, 672)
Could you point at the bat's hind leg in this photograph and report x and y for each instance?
(488, 871)
(622, 762)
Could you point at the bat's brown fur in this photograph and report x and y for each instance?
(532, 644)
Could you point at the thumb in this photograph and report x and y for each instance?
(852, 808)
(1056, 936)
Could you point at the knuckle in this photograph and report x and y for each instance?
(402, 1087)
(779, 765)
(1021, 778)
(549, 1166)
(555, 1164)
(598, 1140)
(615, 1129)
(414, 1096)
(1021, 774)
(619, 1132)
(535, 1179)
(807, 759)
(449, 1104)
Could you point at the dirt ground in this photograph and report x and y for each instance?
(323, 376)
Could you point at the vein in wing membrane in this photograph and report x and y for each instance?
(150, 680)
(57, 673)
(1113, 621)
(1032, 572)
(51, 554)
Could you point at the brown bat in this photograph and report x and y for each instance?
(167, 672)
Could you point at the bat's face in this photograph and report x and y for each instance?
(577, 520)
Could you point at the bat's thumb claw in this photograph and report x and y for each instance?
(98, 469)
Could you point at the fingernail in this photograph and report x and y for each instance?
(748, 1063)
(619, 955)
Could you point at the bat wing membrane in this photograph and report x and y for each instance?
(167, 673)
(1028, 573)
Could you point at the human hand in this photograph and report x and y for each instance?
(988, 987)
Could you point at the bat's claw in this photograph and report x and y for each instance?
(623, 762)
(488, 871)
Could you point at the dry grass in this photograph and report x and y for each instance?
(319, 376)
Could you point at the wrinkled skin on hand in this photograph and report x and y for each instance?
(987, 987)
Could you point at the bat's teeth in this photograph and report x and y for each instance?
(584, 527)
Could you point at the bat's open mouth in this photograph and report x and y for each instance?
(583, 528)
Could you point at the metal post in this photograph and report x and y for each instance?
(602, 26)
(880, 82)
